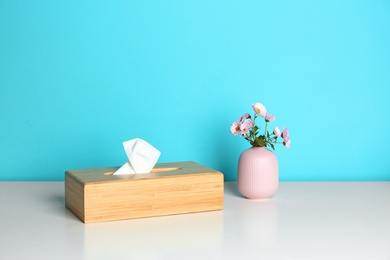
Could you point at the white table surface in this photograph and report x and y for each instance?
(303, 221)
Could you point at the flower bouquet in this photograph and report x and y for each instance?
(247, 128)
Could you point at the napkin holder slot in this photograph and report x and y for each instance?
(96, 195)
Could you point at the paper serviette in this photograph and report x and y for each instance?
(142, 157)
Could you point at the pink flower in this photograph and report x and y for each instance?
(235, 128)
(269, 117)
(287, 143)
(286, 138)
(285, 135)
(277, 131)
(249, 123)
(244, 127)
(259, 109)
(243, 117)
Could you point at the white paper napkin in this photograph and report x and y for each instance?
(142, 157)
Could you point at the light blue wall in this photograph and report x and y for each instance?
(77, 78)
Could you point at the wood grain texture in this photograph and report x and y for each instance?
(94, 195)
(74, 196)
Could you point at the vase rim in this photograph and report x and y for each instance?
(261, 147)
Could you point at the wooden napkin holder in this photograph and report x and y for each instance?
(96, 195)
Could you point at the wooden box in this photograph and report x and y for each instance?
(95, 195)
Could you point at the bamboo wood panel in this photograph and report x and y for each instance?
(95, 195)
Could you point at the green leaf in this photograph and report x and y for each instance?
(273, 147)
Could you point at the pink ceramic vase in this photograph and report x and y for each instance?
(258, 176)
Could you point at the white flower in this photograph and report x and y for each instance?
(277, 131)
(259, 109)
